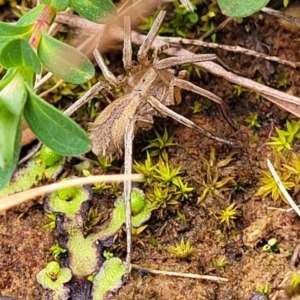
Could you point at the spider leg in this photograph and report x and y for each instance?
(168, 112)
(127, 49)
(186, 85)
(169, 62)
(143, 51)
(109, 76)
(127, 189)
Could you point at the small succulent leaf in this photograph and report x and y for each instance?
(54, 129)
(8, 132)
(241, 9)
(64, 61)
(17, 53)
(98, 11)
(8, 77)
(59, 5)
(30, 17)
(14, 95)
(9, 30)
(7, 171)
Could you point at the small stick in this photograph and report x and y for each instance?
(285, 210)
(282, 188)
(51, 89)
(295, 257)
(179, 274)
(235, 49)
(18, 198)
(44, 79)
(31, 153)
(282, 15)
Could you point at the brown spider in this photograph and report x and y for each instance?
(148, 91)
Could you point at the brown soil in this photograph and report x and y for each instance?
(24, 245)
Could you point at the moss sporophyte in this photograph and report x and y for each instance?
(92, 274)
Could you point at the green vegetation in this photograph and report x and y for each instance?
(288, 169)
(221, 263)
(228, 215)
(287, 137)
(264, 291)
(241, 9)
(282, 79)
(182, 22)
(291, 284)
(34, 50)
(57, 251)
(54, 278)
(45, 164)
(217, 177)
(182, 250)
(271, 246)
(252, 121)
(160, 144)
(84, 258)
(270, 187)
(163, 184)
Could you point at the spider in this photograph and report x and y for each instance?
(148, 91)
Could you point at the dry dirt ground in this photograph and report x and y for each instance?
(24, 245)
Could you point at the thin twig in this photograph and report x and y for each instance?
(235, 49)
(281, 15)
(44, 93)
(179, 274)
(295, 257)
(31, 153)
(282, 188)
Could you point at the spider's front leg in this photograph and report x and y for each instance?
(163, 110)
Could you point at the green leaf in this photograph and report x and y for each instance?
(9, 126)
(98, 11)
(18, 53)
(59, 5)
(241, 8)
(54, 129)
(7, 171)
(31, 16)
(14, 95)
(7, 78)
(7, 29)
(64, 61)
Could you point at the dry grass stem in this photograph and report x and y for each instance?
(282, 188)
(18, 198)
(179, 274)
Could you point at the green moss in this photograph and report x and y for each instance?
(228, 215)
(182, 250)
